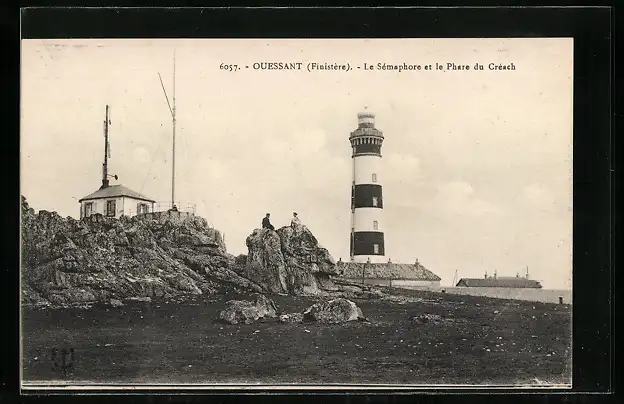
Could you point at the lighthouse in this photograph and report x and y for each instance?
(367, 237)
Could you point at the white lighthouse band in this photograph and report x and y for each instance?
(367, 234)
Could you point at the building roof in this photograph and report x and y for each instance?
(115, 191)
(499, 282)
(355, 270)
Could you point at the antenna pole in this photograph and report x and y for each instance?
(105, 165)
(172, 109)
(173, 112)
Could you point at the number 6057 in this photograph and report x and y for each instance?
(229, 68)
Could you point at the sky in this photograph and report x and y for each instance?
(477, 165)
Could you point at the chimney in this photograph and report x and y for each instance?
(495, 274)
(389, 261)
(485, 275)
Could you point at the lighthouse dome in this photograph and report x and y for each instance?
(366, 119)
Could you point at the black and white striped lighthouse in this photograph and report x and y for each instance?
(367, 237)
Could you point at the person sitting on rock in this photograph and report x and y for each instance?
(295, 222)
(266, 223)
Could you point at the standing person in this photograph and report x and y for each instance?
(266, 223)
(295, 222)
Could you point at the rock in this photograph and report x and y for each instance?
(246, 312)
(184, 283)
(289, 260)
(141, 299)
(291, 318)
(96, 259)
(67, 261)
(116, 303)
(428, 318)
(299, 246)
(334, 311)
(265, 262)
(33, 298)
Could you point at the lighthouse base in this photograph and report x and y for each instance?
(400, 275)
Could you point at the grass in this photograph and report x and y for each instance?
(485, 341)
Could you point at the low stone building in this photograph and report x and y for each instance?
(388, 274)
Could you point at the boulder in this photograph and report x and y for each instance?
(116, 303)
(334, 311)
(246, 312)
(289, 260)
(265, 262)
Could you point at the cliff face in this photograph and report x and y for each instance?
(67, 261)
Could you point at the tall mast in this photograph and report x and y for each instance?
(106, 151)
(173, 119)
(173, 153)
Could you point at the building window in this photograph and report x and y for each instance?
(376, 248)
(142, 208)
(374, 177)
(375, 225)
(375, 203)
(110, 208)
(88, 209)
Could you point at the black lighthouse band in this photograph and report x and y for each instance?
(367, 196)
(364, 243)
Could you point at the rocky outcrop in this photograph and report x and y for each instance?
(246, 312)
(98, 259)
(289, 260)
(265, 263)
(67, 261)
(332, 312)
